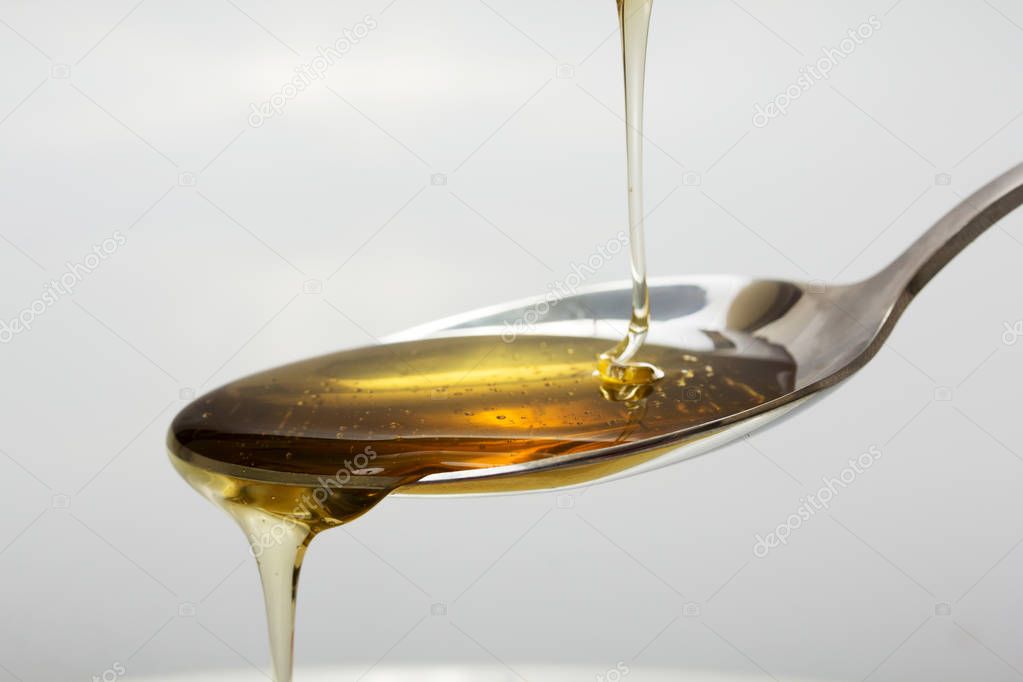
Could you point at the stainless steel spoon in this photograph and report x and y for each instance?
(829, 333)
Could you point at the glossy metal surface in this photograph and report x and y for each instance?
(830, 332)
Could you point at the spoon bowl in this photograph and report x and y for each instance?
(797, 339)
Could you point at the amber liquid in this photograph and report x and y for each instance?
(306, 447)
(620, 365)
(294, 451)
(382, 417)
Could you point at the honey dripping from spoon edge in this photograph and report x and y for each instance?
(300, 449)
(297, 450)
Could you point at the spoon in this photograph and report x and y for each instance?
(829, 333)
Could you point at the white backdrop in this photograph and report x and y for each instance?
(460, 153)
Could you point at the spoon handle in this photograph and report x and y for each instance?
(912, 270)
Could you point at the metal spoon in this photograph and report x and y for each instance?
(830, 334)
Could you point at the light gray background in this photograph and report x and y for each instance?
(210, 286)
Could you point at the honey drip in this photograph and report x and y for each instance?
(619, 366)
(296, 450)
